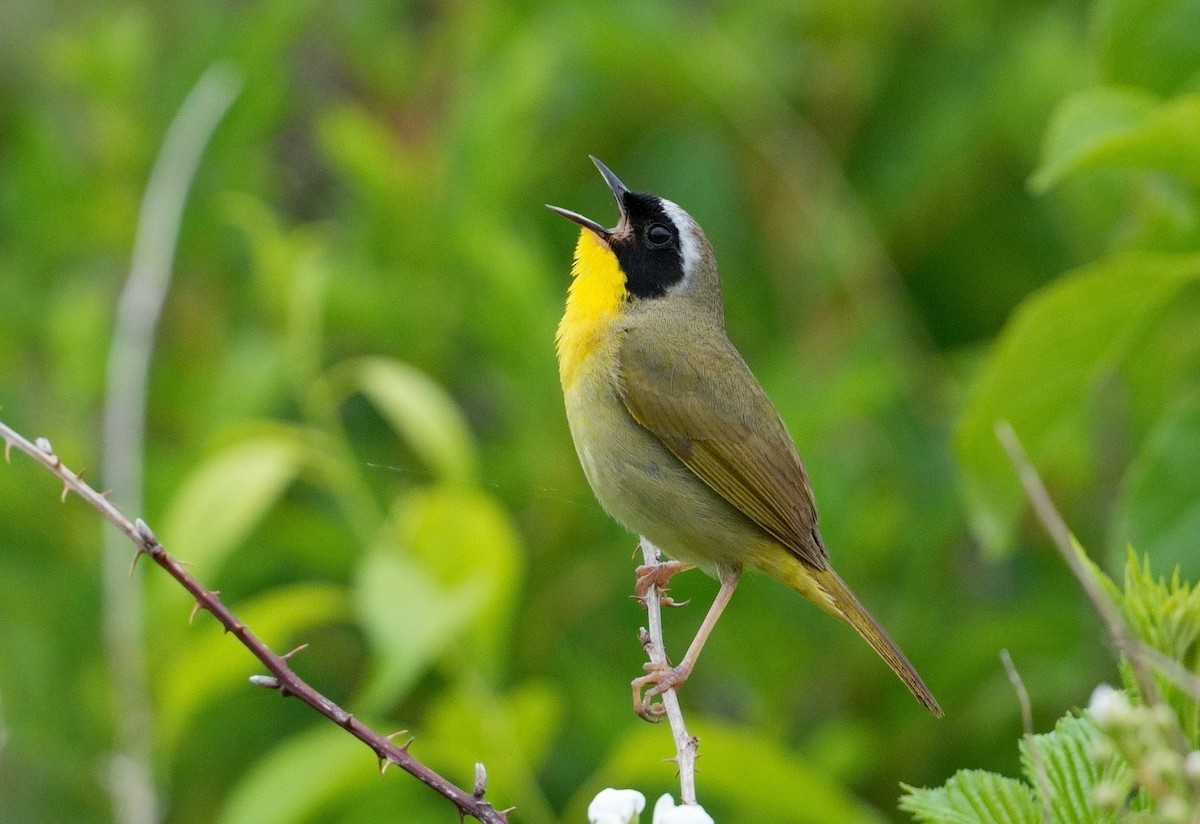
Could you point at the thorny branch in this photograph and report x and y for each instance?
(686, 744)
(282, 677)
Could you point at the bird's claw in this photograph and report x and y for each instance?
(658, 679)
(658, 575)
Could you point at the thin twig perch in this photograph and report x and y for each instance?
(686, 744)
(1045, 791)
(282, 677)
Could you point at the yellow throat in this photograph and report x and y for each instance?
(594, 301)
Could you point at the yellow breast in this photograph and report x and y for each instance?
(594, 301)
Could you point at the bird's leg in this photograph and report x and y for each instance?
(659, 678)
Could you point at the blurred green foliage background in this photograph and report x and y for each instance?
(355, 426)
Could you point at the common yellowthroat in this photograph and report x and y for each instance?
(675, 435)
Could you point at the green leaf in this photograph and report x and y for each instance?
(296, 777)
(420, 412)
(1165, 615)
(1083, 125)
(224, 498)
(1121, 128)
(1058, 764)
(1159, 511)
(321, 769)
(446, 571)
(1150, 43)
(784, 788)
(511, 734)
(1040, 372)
(409, 620)
(973, 797)
(1064, 758)
(464, 537)
(209, 663)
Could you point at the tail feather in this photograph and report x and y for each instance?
(829, 592)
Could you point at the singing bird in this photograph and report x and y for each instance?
(675, 435)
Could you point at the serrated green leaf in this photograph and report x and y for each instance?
(408, 618)
(1166, 616)
(1041, 370)
(786, 788)
(1159, 511)
(223, 499)
(973, 797)
(210, 663)
(419, 411)
(1121, 128)
(1063, 757)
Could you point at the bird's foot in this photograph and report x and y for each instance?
(658, 679)
(659, 575)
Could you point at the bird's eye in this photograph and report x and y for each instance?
(658, 235)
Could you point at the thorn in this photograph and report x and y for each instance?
(667, 601)
(404, 747)
(480, 781)
(196, 607)
(137, 556)
(67, 486)
(390, 736)
(269, 682)
(506, 811)
(288, 655)
(7, 451)
(384, 763)
(145, 534)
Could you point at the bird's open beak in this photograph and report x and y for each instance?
(619, 191)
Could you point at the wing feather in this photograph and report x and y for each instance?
(709, 410)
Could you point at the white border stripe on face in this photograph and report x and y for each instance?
(689, 247)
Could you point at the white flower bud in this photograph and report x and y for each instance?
(1108, 707)
(1100, 751)
(1164, 717)
(1108, 796)
(665, 812)
(1163, 764)
(1173, 810)
(1191, 766)
(616, 807)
